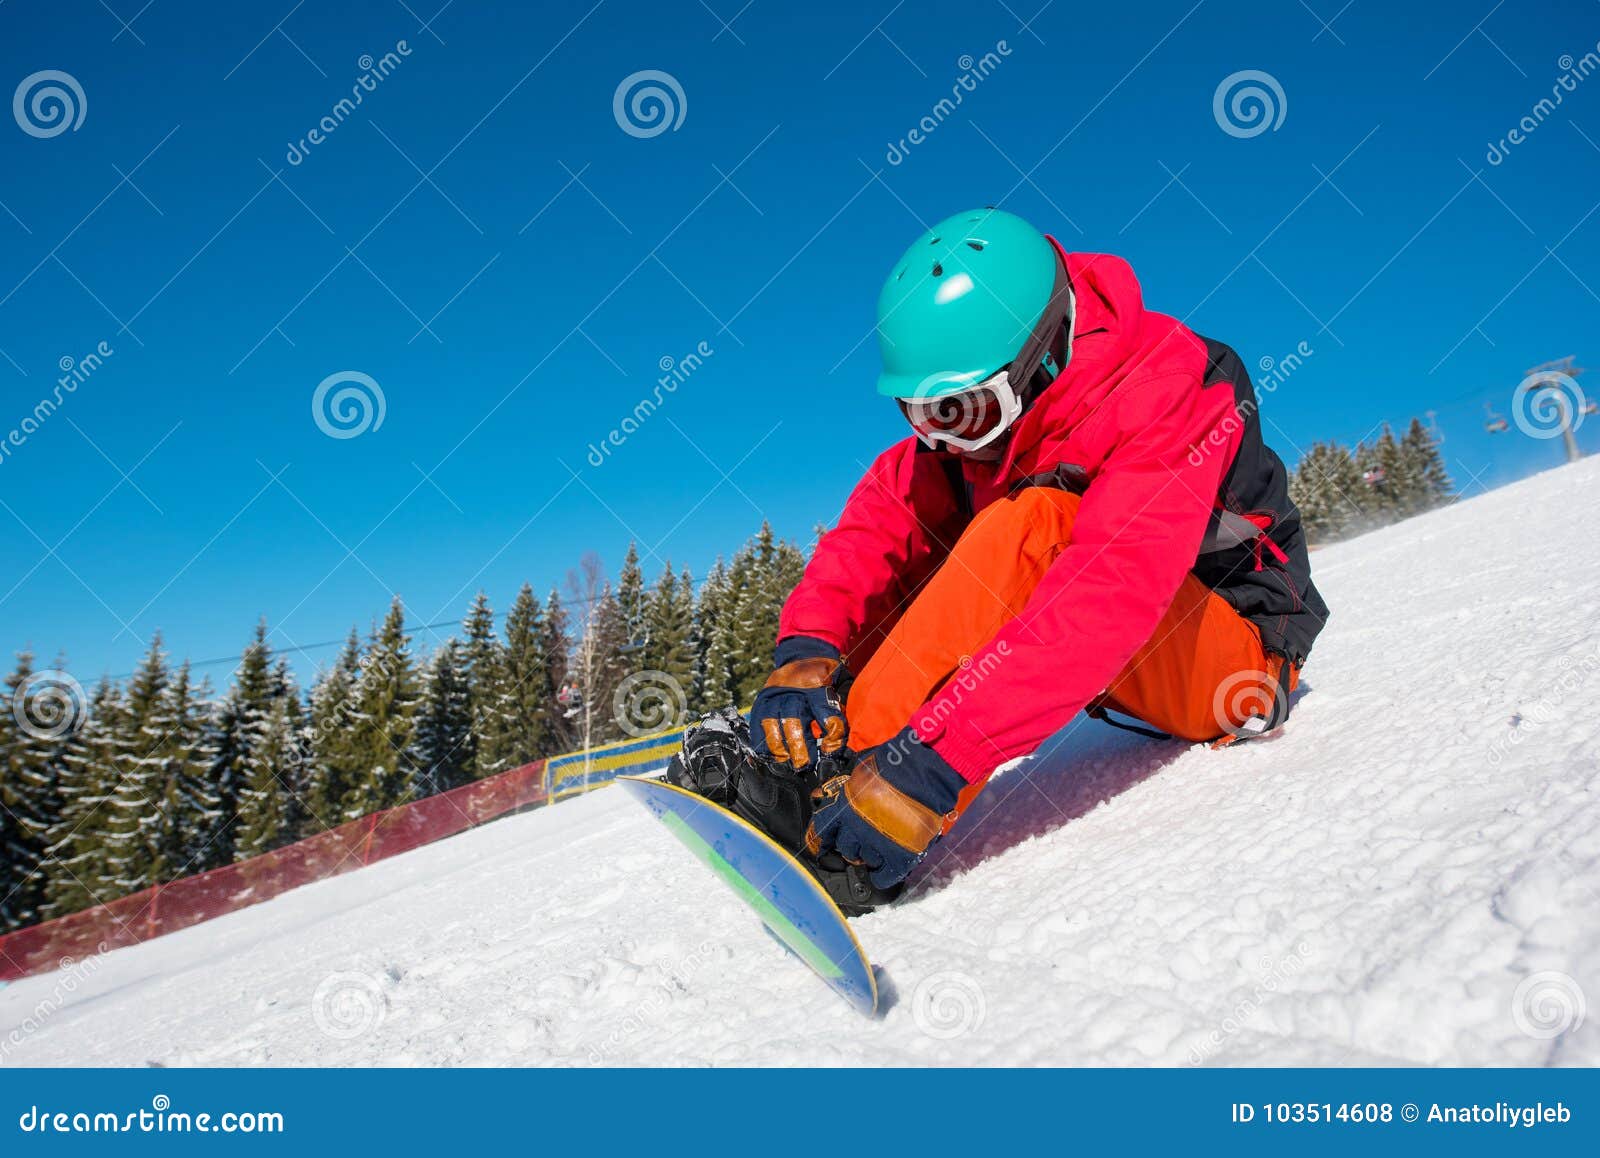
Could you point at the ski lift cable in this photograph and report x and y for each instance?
(300, 649)
(297, 648)
(1477, 394)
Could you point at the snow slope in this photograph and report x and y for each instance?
(1409, 873)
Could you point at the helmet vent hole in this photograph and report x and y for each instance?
(935, 241)
(978, 245)
(938, 269)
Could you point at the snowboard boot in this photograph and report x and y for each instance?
(715, 755)
(777, 800)
(718, 763)
(850, 885)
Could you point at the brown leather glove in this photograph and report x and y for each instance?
(800, 711)
(887, 812)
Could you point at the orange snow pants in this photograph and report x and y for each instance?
(1202, 672)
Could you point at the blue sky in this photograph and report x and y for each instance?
(484, 241)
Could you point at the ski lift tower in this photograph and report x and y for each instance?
(1555, 383)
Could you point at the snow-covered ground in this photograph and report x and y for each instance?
(1410, 873)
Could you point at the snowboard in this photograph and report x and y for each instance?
(773, 884)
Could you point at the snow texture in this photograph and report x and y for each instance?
(1409, 873)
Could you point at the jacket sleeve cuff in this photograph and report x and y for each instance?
(920, 772)
(794, 647)
(974, 760)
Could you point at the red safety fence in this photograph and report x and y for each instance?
(178, 904)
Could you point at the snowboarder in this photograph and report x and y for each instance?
(1085, 517)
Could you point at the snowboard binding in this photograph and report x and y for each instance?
(718, 763)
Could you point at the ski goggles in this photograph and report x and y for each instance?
(967, 420)
(970, 419)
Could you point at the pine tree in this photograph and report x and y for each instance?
(525, 704)
(160, 729)
(1404, 482)
(1328, 490)
(743, 640)
(485, 658)
(788, 570)
(384, 719)
(687, 614)
(1431, 486)
(190, 809)
(761, 577)
(714, 640)
(263, 802)
(1350, 496)
(34, 724)
(240, 721)
(331, 758)
(631, 597)
(13, 852)
(1365, 456)
(88, 779)
(293, 773)
(1308, 492)
(444, 722)
(134, 819)
(1384, 472)
(610, 634)
(597, 660)
(298, 821)
(669, 619)
(1311, 489)
(273, 809)
(557, 648)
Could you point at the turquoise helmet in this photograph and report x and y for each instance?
(980, 291)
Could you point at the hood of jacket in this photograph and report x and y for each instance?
(1116, 341)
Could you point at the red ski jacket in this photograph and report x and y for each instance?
(1143, 420)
